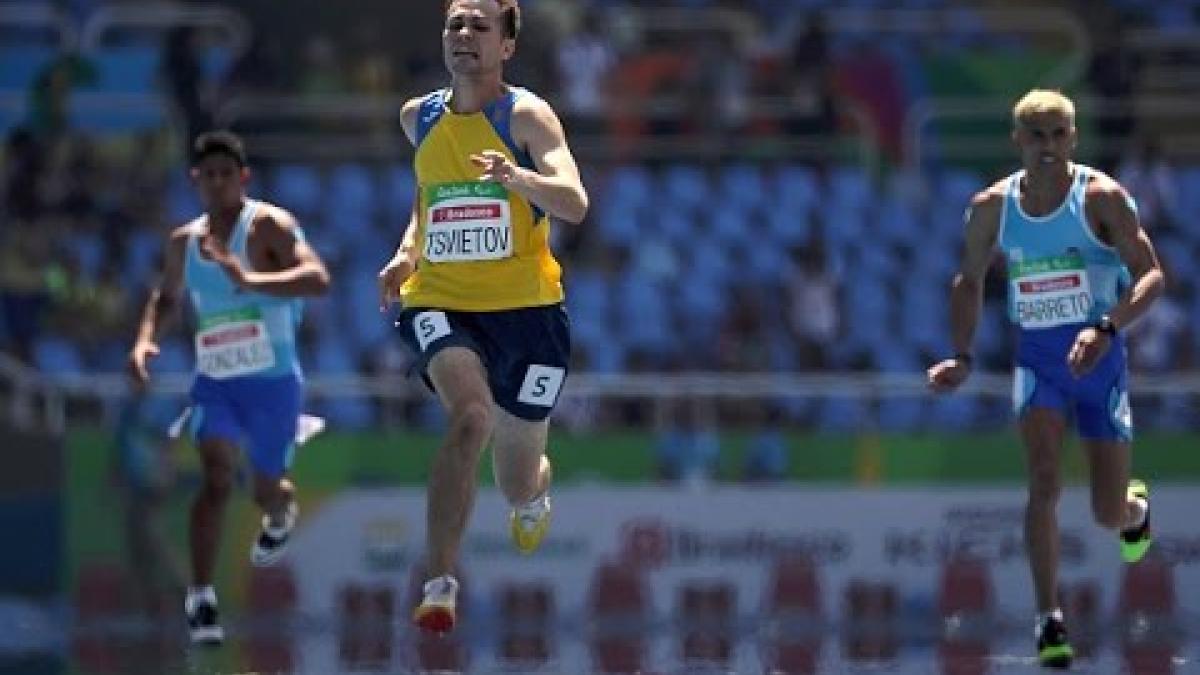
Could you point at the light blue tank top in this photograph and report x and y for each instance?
(1059, 272)
(239, 333)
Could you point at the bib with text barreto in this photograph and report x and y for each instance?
(233, 343)
(467, 221)
(1049, 292)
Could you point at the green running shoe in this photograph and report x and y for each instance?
(1136, 541)
(1053, 649)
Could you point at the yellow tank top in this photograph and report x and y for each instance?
(483, 248)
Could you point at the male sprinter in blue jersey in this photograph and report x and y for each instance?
(244, 264)
(1080, 270)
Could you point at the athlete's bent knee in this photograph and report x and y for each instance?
(472, 420)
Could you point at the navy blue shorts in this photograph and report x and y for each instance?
(258, 413)
(1099, 399)
(525, 351)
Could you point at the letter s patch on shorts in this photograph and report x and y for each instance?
(430, 326)
(541, 385)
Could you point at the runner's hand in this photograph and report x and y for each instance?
(391, 277)
(1090, 346)
(947, 375)
(138, 356)
(496, 167)
(229, 262)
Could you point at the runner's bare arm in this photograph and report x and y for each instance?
(555, 186)
(302, 272)
(966, 292)
(161, 307)
(1119, 221)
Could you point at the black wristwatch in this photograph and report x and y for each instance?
(1106, 325)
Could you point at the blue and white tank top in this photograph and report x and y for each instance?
(238, 333)
(1059, 272)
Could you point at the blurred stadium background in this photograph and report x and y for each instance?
(751, 477)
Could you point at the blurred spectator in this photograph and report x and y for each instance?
(809, 83)
(813, 316)
(742, 344)
(1160, 341)
(51, 94)
(259, 70)
(23, 164)
(1151, 180)
(585, 60)
(1112, 74)
(322, 73)
(688, 446)
(26, 258)
(185, 80)
(766, 458)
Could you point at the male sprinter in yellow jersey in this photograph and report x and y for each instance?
(481, 296)
(1080, 269)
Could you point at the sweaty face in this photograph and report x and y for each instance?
(220, 180)
(473, 39)
(1045, 139)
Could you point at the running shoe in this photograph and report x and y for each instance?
(203, 623)
(272, 541)
(1136, 541)
(1053, 649)
(529, 523)
(436, 613)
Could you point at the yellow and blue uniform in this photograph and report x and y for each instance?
(248, 384)
(1062, 278)
(485, 279)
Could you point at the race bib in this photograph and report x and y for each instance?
(1049, 292)
(467, 222)
(233, 343)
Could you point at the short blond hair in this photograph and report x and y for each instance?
(1042, 101)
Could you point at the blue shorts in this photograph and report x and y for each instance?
(525, 351)
(258, 414)
(1099, 399)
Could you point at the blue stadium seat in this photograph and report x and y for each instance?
(397, 191)
(352, 191)
(631, 185)
(133, 69)
(88, 249)
(796, 187)
(53, 355)
(685, 186)
(620, 223)
(729, 224)
(142, 251)
(742, 185)
(22, 64)
(297, 188)
(677, 226)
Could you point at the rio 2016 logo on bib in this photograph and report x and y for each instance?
(467, 222)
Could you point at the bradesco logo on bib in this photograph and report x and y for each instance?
(233, 343)
(1049, 292)
(466, 222)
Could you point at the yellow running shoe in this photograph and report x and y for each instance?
(530, 523)
(436, 613)
(1135, 542)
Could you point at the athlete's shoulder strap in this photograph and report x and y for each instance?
(433, 106)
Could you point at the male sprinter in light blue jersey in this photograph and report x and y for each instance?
(1080, 270)
(244, 264)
